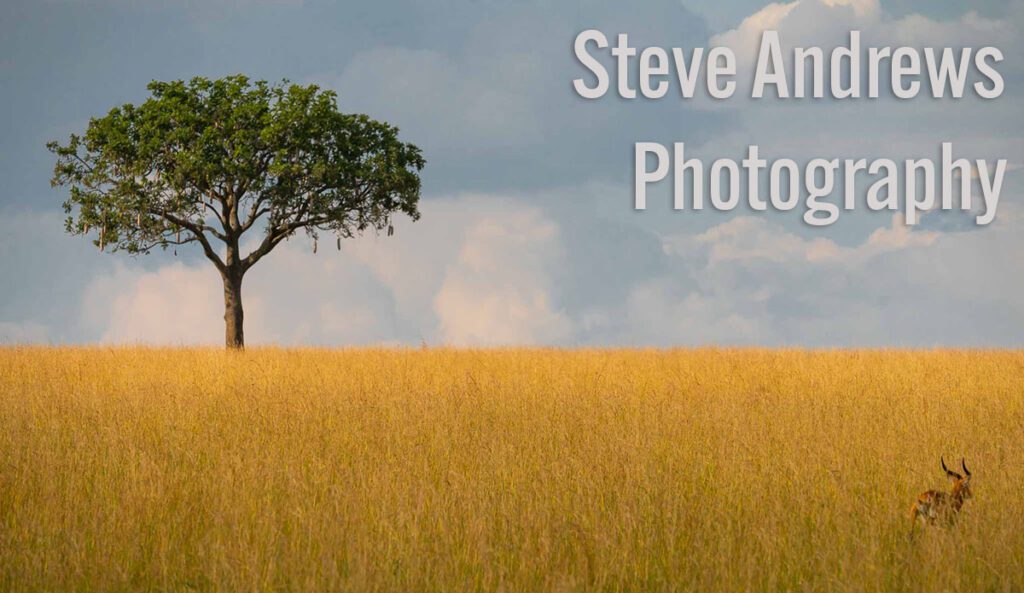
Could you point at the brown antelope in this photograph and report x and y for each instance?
(934, 506)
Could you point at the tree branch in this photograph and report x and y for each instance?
(164, 242)
(198, 232)
(217, 213)
(275, 236)
(255, 212)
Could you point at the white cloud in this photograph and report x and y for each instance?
(481, 273)
(757, 283)
(804, 23)
(870, 128)
(176, 304)
(499, 290)
(491, 271)
(749, 238)
(412, 263)
(292, 297)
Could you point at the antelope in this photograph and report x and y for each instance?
(934, 506)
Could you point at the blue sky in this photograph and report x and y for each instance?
(528, 234)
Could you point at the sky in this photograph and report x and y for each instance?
(528, 234)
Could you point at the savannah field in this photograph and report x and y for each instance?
(505, 470)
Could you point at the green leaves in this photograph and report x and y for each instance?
(212, 159)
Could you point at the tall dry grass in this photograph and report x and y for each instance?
(509, 470)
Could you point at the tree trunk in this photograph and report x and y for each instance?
(234, 336)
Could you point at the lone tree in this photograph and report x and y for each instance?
(209, 160)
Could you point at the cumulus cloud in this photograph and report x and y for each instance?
(502, 271)
(758, 283)
(291, 298)
(175, 304)
(498, 291)
(804, 23)
(747, 238)
(871, 126)
(501, 280)
(482, 274)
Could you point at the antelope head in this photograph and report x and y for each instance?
(961, 484)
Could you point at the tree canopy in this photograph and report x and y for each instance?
(206, 161)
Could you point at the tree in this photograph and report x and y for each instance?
(207, 161)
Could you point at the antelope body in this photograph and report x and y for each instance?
(934, 506)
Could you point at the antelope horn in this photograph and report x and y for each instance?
(949, 472)
(964, 465)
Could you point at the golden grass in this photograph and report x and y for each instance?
(514, 470)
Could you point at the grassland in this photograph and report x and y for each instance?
(510, 470)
